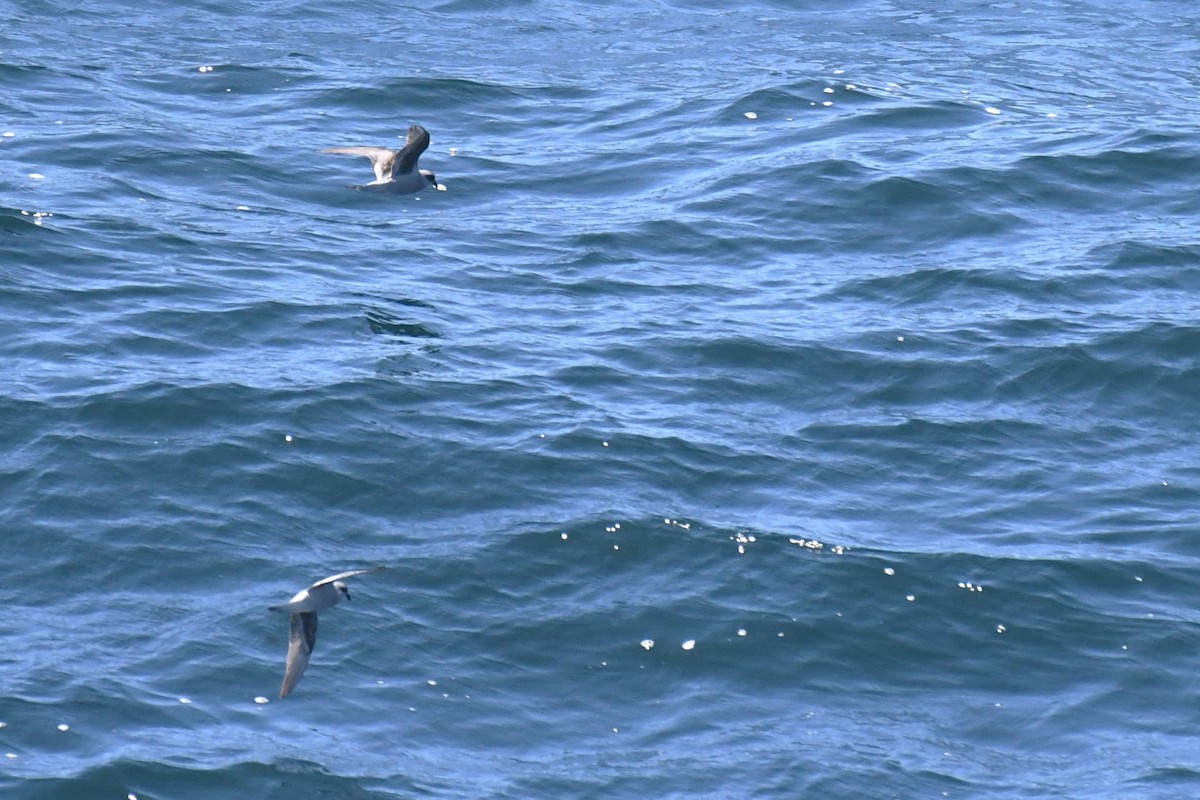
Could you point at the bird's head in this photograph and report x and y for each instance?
(342, 588)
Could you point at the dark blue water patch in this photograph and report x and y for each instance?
(969, 627)
(771, 103)
(19, 222)
(1137, 265)
(397, 317)
(947, 286)
(218, 81)
(867, 211)
(24, 72)
(132, 777)
(936, 207)
(200, 437)
(1132, 177)
(504, 104)
(1041, 293)
(53, 91)
(937, 117)
(1164, 348)
(1085, 374)
(1175, 778)
(1151, 257)
(668, 240)
(481, 6)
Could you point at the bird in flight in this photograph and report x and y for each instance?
(396, 170)
(303, 608)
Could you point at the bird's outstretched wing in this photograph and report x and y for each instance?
(383, 159)
(417, 143)
(301, 642)
(343, 575)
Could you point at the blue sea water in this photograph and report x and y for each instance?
(783, 400)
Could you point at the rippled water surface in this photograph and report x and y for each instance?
(781, 401)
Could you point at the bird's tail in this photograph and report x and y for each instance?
(277, 608)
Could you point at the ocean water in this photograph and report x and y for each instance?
(783, 400)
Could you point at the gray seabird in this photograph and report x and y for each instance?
(395, 170)
(304, 607)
